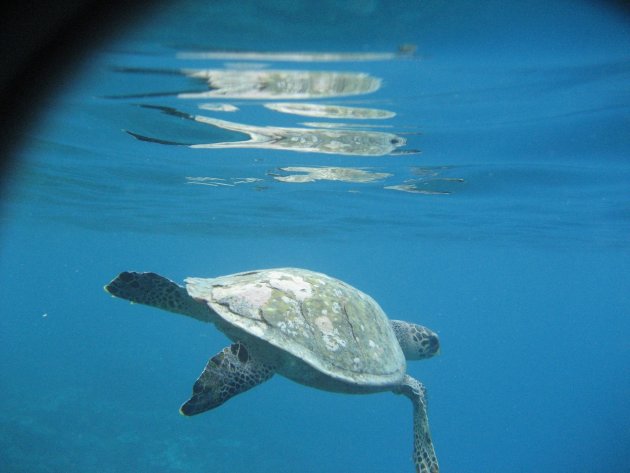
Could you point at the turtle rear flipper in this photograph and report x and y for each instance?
(157, 291)
(423, 451)
(228, 373)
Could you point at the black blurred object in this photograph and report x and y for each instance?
(39, 42)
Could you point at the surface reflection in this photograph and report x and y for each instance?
(280, 84)
(329, 111)
(218, 107)
(247, 82)
(331, 173)
(308, 140)
(220, 181)
(429, 181)
(405, 50)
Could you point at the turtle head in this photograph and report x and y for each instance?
(417, 342)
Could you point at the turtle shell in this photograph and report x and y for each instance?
(333, 327)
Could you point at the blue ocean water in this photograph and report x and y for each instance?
(508, 234)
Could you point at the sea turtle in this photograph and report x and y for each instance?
(306, 326)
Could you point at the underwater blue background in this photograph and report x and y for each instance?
(520, 261)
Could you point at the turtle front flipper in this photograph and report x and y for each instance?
(228, 373)
(157, 291)
(423, 451)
